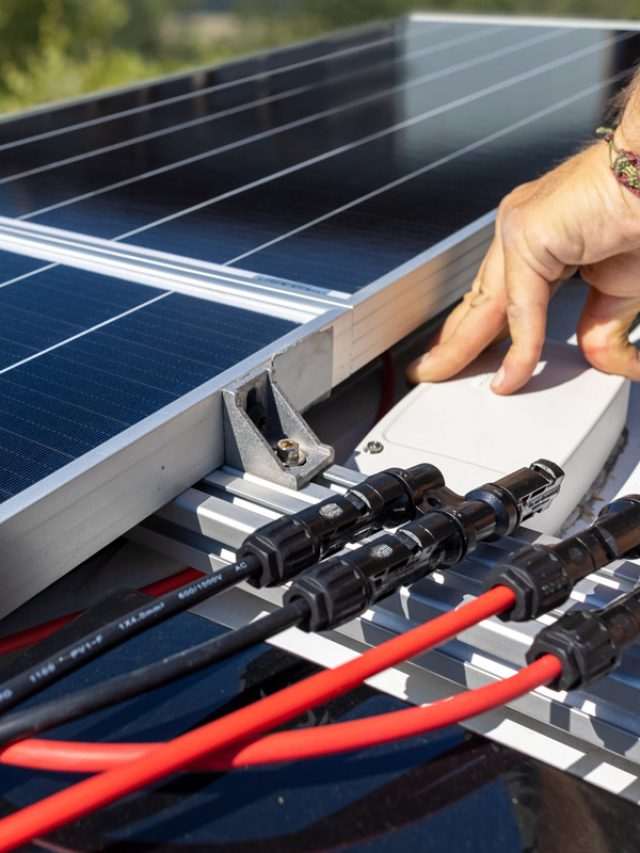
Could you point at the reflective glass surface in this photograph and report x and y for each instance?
(342, 161)
(84, 356)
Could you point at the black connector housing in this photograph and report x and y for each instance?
(288, 545)
(518, 496)
(342, 587)
(542, 576)
(589, 643)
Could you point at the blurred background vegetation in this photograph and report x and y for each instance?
(54, 49)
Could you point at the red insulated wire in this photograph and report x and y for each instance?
(168, 584)
(242, 725)
(294, 745)
(22, 639)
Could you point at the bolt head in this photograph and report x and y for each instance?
(374, 447)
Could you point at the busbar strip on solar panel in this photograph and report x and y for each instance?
(296, 187)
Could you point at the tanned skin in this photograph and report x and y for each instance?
(576, 216)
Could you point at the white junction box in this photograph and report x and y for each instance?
(568, 413)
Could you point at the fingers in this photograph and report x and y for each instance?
(528, 295)
(603, 333)
(470, 298)
(471, 327)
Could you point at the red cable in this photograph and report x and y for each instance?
(168, 584)
(294, 745)
(242, 725)
(29, 636)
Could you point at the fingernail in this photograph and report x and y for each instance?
(498, 379)
(418, 362)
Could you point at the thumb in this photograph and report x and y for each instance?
(603, 333)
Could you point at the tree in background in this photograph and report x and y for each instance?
(307, 15)
(54, 49)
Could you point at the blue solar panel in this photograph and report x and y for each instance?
(178, 96)
(56, 304)
(12, 266)
(84, 356)
(338, 168)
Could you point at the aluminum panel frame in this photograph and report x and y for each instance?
(50, 527)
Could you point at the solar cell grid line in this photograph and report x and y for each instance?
(67, 399)
(283, 230)
(119, 132)
(156, 93)
(14, 267)
(31, 327)
(43, 307)
(185, 233)
(408, 228)
(100, 214)
(38, 157)
(411, 176)
(24, 198)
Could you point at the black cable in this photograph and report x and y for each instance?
(131, 684)
(542, 576)
(277, 551)
(335, 590)
(45, 672)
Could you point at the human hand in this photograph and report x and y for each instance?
(574, 217)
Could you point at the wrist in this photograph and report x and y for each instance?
(618, 164)
(627, 136)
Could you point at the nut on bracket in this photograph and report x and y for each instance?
(265, 435)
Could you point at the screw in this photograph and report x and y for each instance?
(331, 510)
(290, 453)
(374, 447)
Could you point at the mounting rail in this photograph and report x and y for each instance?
(593, 734)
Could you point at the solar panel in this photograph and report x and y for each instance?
(83, 357)
(143, 98)
(296, 182)
(311, 205)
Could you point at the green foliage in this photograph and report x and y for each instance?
(53, 49)
(336, 13)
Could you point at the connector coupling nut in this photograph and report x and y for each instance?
(540, 576)
(335, 592)
(583, 645)
(619, 526)
(283, 548)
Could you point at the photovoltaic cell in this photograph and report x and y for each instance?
(141, 99)
(186, 124)
(337, 167)
(12, 266)
(84, 356)
(222, 138)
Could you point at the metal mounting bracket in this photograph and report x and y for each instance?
(265, 435)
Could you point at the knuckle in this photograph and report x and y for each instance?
(595, 347)
(512, 224)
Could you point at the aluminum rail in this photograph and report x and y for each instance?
(593, 734)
